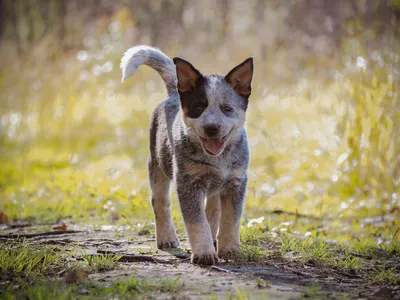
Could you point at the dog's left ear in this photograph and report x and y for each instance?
(240, 77)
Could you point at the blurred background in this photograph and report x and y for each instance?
(323, 121)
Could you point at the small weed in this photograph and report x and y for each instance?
(101, 262)
(366, 248)
(394, 248)
(132, 287)
(18, 258)
(135, 286)
(346, 264)
(241, 295)
(43, 291)
(251, 235)
(290, 245)
(262, 284)
(145, 229)
(312, 291)
(250, 253)
(127, 288)
(316, 250)
(170, 286)
(388, 276)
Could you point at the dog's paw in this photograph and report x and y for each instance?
(205, 259)
(229, 252)
(167, 242)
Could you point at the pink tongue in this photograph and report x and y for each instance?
(213, 145)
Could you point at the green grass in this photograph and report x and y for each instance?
(370, 248)
(129, 288)
(313, 292)
(305, 249)
(250, 253)
(262, 284)
(389, 276)
(251, 235)
(20, 259)
(367, 248)
(240, 295)
(101, 262)
(170, 285)
(394, 248)
(146, 229)
(320, 253)
(347, 263)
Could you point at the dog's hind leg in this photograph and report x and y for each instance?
(213, 212)
(165, 232)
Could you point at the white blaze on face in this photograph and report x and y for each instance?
(218, 93)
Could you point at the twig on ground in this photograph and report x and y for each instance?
(220, 269)
(33, 235)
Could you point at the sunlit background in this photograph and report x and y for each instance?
(323, 121)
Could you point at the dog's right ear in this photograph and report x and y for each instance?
(240, 77)
(188, 76)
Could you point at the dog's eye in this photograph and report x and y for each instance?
(227, 108)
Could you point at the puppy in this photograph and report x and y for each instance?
(198, 139)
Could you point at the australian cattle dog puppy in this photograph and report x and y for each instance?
(198, 139)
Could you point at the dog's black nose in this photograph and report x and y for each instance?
(211, 130)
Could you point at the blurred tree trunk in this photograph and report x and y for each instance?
(14, 21)
(62, 14)
(259, 12)
(3, 16)
(29, 17)
(225, 7)
(45, 18)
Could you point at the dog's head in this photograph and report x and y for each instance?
(214, 106)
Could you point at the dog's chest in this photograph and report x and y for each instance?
(210, 176)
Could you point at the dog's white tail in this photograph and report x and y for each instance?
(154, 58)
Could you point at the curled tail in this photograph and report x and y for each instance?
(154, 58)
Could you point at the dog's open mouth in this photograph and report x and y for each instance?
(214, 146)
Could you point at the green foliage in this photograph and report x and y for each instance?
(389, 276)
(313, 291)
(129, 288)
(146, 229)
(367, 248)
(316, 250)
(370, 124)
(20, 258)
(170, 285)
(347, 263)
(101, 262)
(240, 295)
(251, 235)
(319, 252)
(43, 291)
(261, 283)
(250, 253)
(394, 247)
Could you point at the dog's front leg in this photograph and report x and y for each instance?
(191, 199)
(213, 213)
(232, 200)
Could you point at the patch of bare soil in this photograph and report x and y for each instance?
(272, 279)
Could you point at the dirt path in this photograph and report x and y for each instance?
(272, 279)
